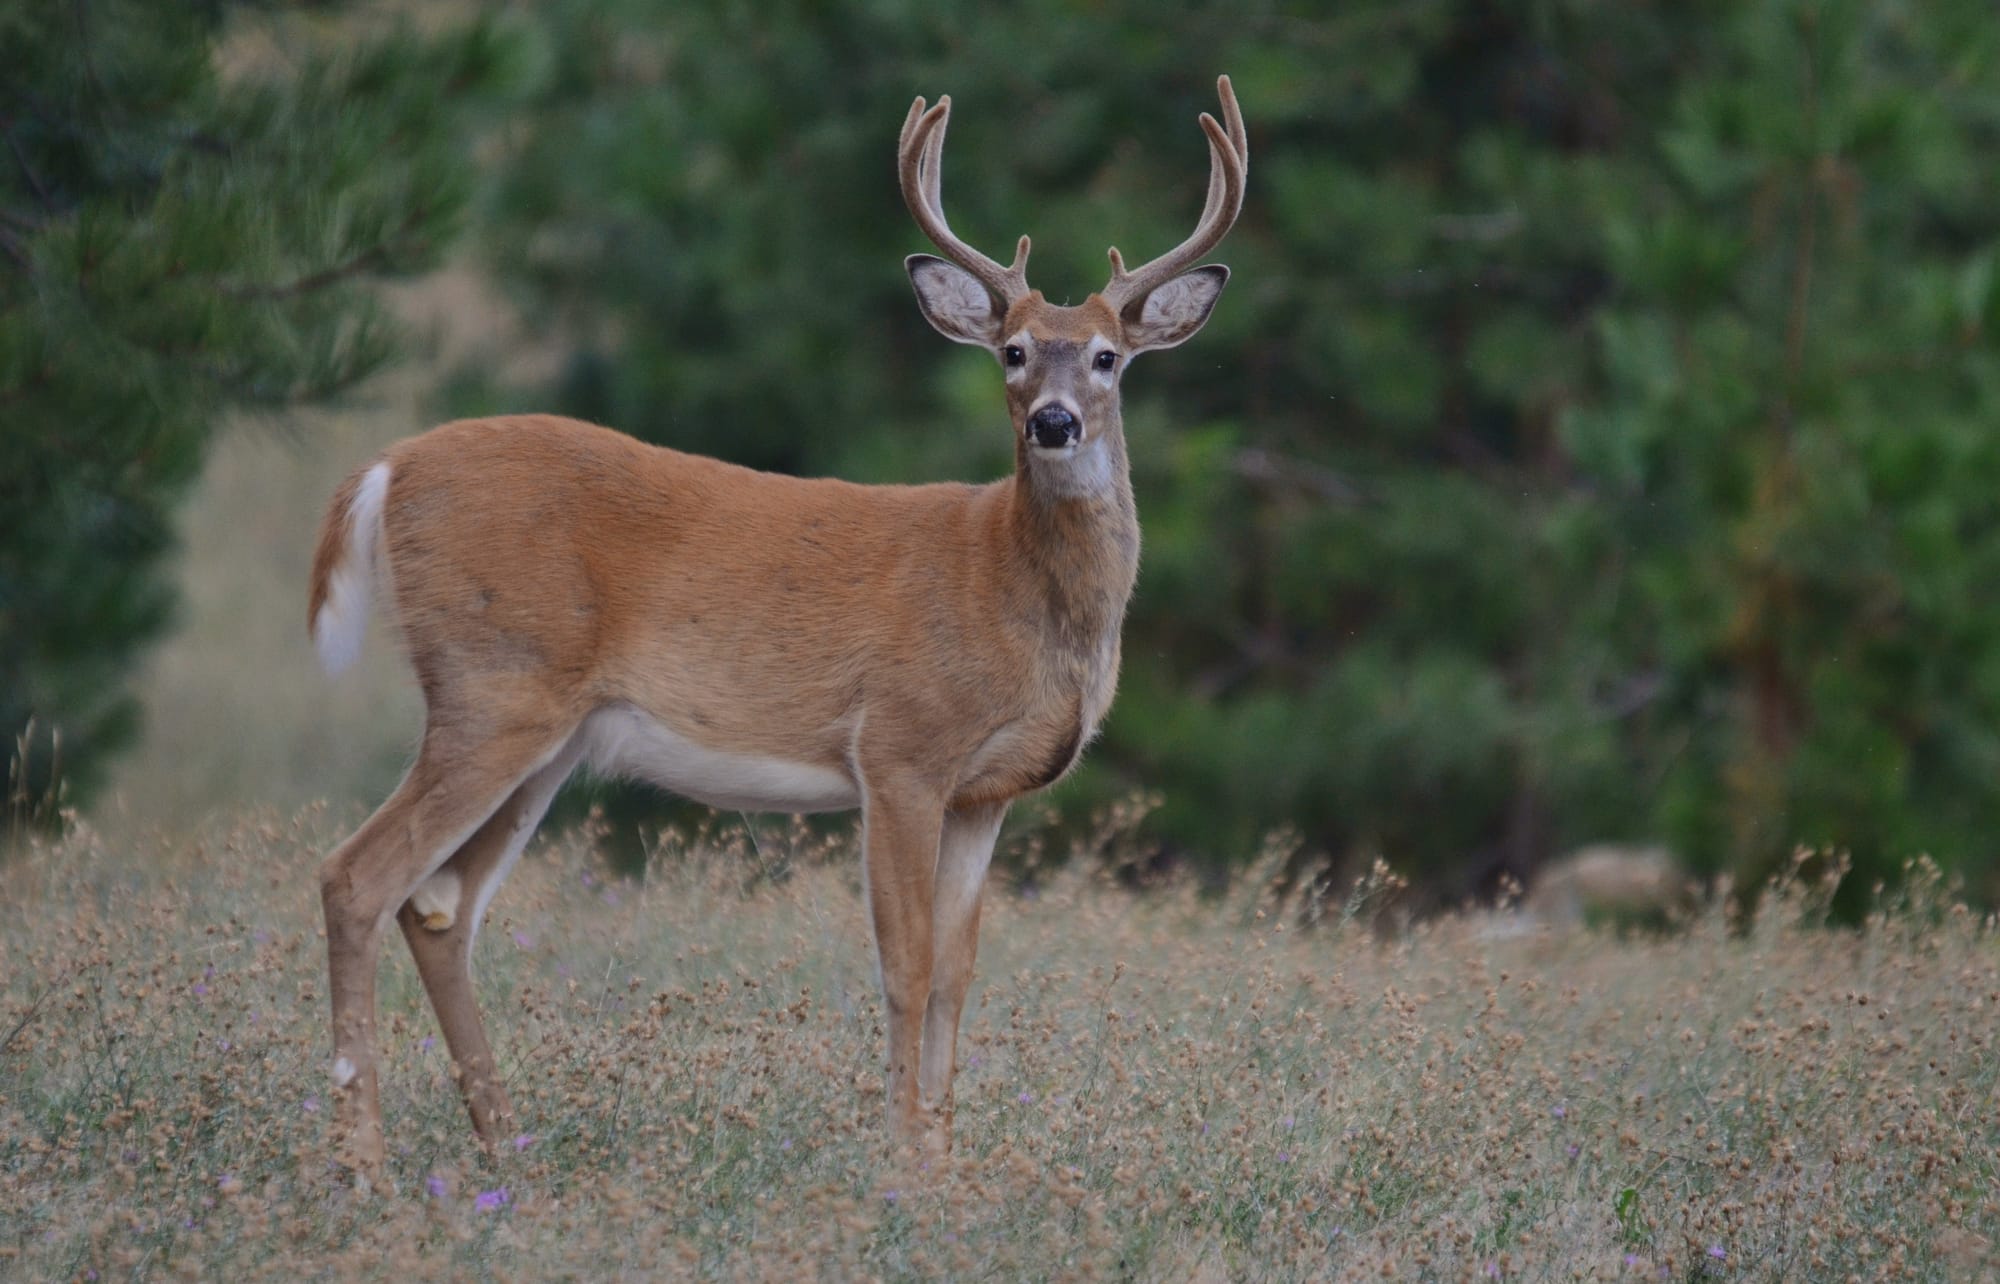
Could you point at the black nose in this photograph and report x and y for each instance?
(1053, 426)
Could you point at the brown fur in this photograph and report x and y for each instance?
(935, 650)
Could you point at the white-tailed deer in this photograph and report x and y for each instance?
(928, 654)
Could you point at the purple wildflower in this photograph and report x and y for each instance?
(310, 1105)
(524, 1141)
(429, 1042)
(435, 1185)
(489, 1200)
(1717, 1252)
(1560, 1112)
(892, 1196)
(522, 939)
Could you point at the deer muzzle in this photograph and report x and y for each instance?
(1054, 426)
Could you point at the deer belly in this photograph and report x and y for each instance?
(624, 741)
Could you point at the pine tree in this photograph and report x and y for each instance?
(179, 242)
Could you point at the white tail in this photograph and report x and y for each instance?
(340, 618)
(925, 653)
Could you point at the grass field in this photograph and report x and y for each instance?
(1156, 1087)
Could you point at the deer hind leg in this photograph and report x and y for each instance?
(963, 856)
(449, 793)
(900, 832)
(441, 920)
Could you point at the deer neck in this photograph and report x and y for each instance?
(1075, 528)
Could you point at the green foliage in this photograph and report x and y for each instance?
(177, 243)
(1596, 442)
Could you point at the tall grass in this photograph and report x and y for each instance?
(1155, 1086)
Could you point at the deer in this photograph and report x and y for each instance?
(569, 597)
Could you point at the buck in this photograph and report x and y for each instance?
(568, 595)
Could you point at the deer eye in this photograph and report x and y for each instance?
(1107, 360)
(1013, 355)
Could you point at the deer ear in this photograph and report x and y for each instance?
(955, 302)
(1175, 309)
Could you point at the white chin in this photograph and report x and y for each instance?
(1078, 469)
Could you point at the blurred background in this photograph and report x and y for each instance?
(1599, 441)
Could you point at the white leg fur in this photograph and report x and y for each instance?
(964, 853)
(342, 622)
(436, 901)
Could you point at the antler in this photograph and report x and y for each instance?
(918, 155)
(1228, 167)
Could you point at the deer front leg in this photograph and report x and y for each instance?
(963, 856)
(900, 830)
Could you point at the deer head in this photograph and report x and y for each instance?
(1063, 364)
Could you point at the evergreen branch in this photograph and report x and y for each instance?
(80, 10)
(41, 192)
(1269, 468)
(373, 257)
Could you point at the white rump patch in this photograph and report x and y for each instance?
(343, 1072)
(622, 740)
(436, 901)
(342, 622)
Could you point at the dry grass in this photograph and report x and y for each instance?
(1162, 1087)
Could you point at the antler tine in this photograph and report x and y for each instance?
(909, 126)
(1232, 119)
(920, 162)
(1228, 167)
